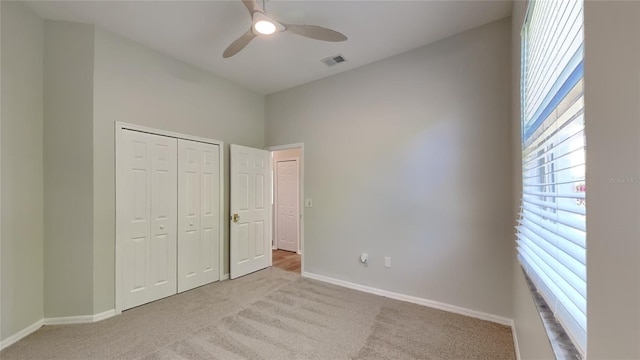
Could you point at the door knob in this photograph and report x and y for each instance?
(235, 217)
(161, 227)
(190, 223)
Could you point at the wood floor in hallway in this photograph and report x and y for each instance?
(286, 260)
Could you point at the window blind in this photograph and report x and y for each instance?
(551, 231)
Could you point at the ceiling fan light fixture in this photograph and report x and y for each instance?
(263, 24)
(265, 27)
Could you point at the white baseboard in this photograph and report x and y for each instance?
(412, 299)
(83, 319)
(21, 334)
(104, 315)
(64, 320)
(224, 277)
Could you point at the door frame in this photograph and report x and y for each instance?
(120, 127)
(275, 199)
(301, 197)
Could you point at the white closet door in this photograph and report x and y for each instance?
(147, 217)
(198, 214)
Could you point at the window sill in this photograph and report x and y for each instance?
(561, 344)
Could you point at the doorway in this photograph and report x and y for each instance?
(287, 171)
(286, 202)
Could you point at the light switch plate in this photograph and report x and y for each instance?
(308, 203)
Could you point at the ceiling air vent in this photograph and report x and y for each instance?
(333, 60)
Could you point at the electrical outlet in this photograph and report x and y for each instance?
(387, 262)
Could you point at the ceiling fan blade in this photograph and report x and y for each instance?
(252, 5)
(316, 32)
(239, 44)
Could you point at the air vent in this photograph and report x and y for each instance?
(333, 60)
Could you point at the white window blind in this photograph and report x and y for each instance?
(551, 233)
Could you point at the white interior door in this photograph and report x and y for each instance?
(147, 217)
(198, 214)
(250, 198)
(287, 205)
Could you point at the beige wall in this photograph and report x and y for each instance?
(402, 158)
(134, 84)
(612, 125)
(68, 169)
(22, 163)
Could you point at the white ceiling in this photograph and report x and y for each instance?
(197, 32)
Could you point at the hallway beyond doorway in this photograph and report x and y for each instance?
(286, 260)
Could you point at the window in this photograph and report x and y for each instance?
(551, 233)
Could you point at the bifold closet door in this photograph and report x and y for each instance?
(198, 214)
(147, 214)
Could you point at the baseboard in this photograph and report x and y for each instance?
(104, 315)
(82, 319)
(412, 299)
(515, 341)
(224, 277)
(55, 321)
(21, 334)
(64, 320)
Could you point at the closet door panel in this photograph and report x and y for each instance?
(164, 213)
(210, 210)
(198, 214)
(147, 214)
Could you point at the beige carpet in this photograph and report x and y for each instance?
(272, 314)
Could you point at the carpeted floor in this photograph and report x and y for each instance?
(272, 314)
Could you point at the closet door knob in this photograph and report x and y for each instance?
(190, 223)
(161, 227)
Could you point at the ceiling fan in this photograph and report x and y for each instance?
(264, 25)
